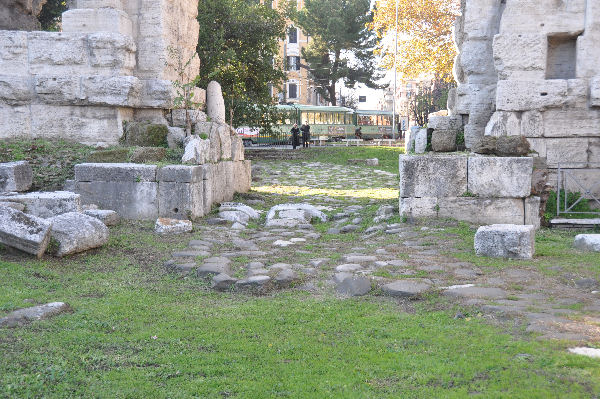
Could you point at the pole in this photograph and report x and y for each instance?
(395, 65)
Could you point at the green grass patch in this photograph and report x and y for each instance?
(388, 156)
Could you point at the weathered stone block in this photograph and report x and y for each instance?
(15, 121)
(482, 210)
(503, 124)
(115, 172)
(532, 124)
(532, 211)
(111, 53)
(505, 241)
(108, 217)
(498, 177)
(242, 176)
(571, 122)
(146, 134)
(437, 122)
(215, 105)
(24, 232)
(97, 20)
(443, 140)
(237, 148)
(57, 89)
(77, 232)
(587, 242)
(433, 176)
(421, 141)
(522, 95)
(111, 90)
(13, 52)
(65, 53)
(181, 200)
(181, 174)
(520, 56)
(15, 176)
(116, 4)
(25, 316)
(46, 204)
(130, 199)
(423, 207)
(595, 92)
(166, 226)
(197, 150)
(573, 151)
(15, 90)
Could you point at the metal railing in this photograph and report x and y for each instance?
(566, 180)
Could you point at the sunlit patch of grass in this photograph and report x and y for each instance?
(299, 191)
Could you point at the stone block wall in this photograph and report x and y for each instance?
(468, 188)
(530, 67)
(114, 61)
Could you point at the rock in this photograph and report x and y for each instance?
(209, 269)
(282, 243)
(285, 277)
(348, 267)
(333, 230)
(587, 242)
(471, 292)
(24, 316)
(505, 241)
(238, 226)
(354, 286)
(15, 176)
(24, 232)
(421, 141)
(77, 232)
(255, 265)
(341, 276)
(385, 210)
(254, 282)
(175, 137)
(586, 283)
(409, 288)
(108, 217)
(372, 162)
(507, 146)
(310, 209)
(234, 206)
(148, 154)
(443, 140)
(283, 223)
(499, 177)
(235, 216)
(216, 221)
(46, 204)
(14, 205)
(115, 155)
(172, 226)
(280, 266)
(222, 282)
(433, 176)
(145, 134)
(215, 105)
(359, 258)
(589, 352)
(349, 228)
(196, 150)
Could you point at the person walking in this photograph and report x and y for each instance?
(305, 135)
(295, 136)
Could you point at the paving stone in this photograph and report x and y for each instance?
(285, 277)
(282, 243)
(165, 226)
(254, 282)
(349, 228)
(586, 283)
(256, 272)
(190, 254)
(397, 262)
(222, 282)
(359, 258)
(25, 316)
(476, 292)
(333, 230)
(354, 286)
(280, 266)
(407, 288)
(319, 262)
(181, 268)
(348, 267)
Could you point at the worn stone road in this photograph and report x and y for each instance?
(365, 249)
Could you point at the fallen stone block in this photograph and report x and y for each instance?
(421, 141)
(312, 211)
(285, 277)
(234, 206)
(24, 232)
(77, 232)
(588, 242)
(500, 177)
(15, 176)
(108, 217)
(25, 316)
(46, 204)
(410, 288)
(505, 241)
(166, 226)
(433, 176)
(354, 286)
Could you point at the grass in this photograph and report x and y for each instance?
(388, 156)
(139, 332)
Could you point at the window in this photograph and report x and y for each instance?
(292, 35)
(293, 63)
(292, 90)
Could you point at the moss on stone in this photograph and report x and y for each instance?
(115, 155)
(145, 134)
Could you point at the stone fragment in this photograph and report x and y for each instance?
(507, 146)
(24, 232)
(348, 267)
(196, 150)
(209, 269)
(145, 134)
(505, 241)
(15, 176)
(166, 226)
(108, 217)
(349, 228)
(486, 145)
(409, 288)
(285, 277)
(443, 140)
(175, 137)
(587, 242)
(499, 177)
(148, 154)
(115, 155)
(222, 282)
(421, 141)
(359, 258)
(238, 207)
(215, 105)
(372, 162)
(589, 352)
(253, 283)
(46, 204)
(310, 209)
(14, 205)
(433, 176)
(25, 316)
(354, 286)
(235, 216)
(77, 232)
(471, 292)
(438, 122)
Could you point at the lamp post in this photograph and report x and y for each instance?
(395, 65)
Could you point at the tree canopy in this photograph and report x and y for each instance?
(238, 47)
(340, 45)
(425, 42)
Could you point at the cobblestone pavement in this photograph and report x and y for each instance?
(365, 249)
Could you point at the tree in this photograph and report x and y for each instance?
(425, 40)
(341, 46)
(429, 98)
(238, 47)
(51, 14)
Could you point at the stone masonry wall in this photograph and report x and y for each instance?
(111, 63)
(531, 68)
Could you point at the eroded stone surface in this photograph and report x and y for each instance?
(77, 232)
(24, 232)
(25, 316)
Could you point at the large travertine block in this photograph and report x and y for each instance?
(130, 199)
(437, 122)
(46, 204)
(521, 95)
(497, 177)
(112, 53)
(64, 53)
(97, 20)
(15, 90)
(433, 176)
(479, 18)
(178, 200)
(520, 56)
(116, 4)
(123, 91)
(571, 122)
(532, 211)
(423, 207)
(77, 232)
(131, 172)
(595, 92)
(567, 151)
(180, 174)
(505, 241)
(476, 58)
(242, 176)
(532, 124)
(24, 232)
(15, 176)
(58, 90)
(15, 122)
(157, 93)
(13, 52)
(543, 16)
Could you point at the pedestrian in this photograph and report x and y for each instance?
(358, 133)
(305, 135)
(295, 136)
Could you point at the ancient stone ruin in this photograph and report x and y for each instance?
(114, 61)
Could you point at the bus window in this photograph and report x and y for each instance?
(387, 120)
(329, 117)
(305, 119)
(318, 120)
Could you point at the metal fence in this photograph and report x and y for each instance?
(569, 183)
